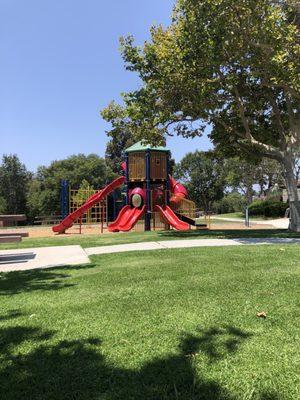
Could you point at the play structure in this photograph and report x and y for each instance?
(150, 191)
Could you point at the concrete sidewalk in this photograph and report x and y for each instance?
(41, 257)
(279, 223)
(177, 244)
(46, 257)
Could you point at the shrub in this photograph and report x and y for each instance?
(232, 202)
(268, 208)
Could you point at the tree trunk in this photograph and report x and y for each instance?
(294, 201)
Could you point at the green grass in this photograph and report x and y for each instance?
(171, 324)
(138, 237)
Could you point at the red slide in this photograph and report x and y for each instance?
(171, 218)
(127, 218)
(96, 198)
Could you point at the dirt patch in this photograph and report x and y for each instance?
(46, 231)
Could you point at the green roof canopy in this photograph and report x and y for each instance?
(143, 147)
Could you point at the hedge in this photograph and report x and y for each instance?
(268, 208)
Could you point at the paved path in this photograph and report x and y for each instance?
(280, 223)
(177, 244)
(41, 257)
(46, 257)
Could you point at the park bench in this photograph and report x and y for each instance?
(10, 220)
(11, 237)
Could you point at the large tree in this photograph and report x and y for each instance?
(120, 136)
(233, 64)
(14, 179)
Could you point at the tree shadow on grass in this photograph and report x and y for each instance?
(37, 279)
(215, 342)
(11, 314)
(76, 369)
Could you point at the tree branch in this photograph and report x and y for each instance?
(268, 150)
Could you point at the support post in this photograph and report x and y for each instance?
(64, 198)
(168, 180)
(127, 178)
(247, 222)
(148, 193)
(114, 205)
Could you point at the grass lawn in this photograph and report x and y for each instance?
(171, 324)
(137, 237)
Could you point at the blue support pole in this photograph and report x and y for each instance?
(148, 193)
(64, 198)
(127, 178)
(168, 180)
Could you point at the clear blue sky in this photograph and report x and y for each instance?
(59, 65)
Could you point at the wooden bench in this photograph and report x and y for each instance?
(22, 234)
(9, 220)
(10, 239)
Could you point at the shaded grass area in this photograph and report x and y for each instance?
(138, 237)
(170, 324)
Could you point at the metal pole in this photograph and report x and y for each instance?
(247, 223)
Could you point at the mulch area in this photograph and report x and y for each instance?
(46, 231)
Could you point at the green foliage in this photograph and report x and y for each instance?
(120, 135)
(241, 176)
(232, 202)
(44, 193)
(81, 196)
(14, 179)
(268, 208)
(203, 175)
(3, 205)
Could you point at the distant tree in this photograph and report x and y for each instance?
(120, 135)
(80, 197)
(14, 179)
(36, 203)
(203, 175)
(231, 202)
(241, 177)
(44, 192)
(2, 205)
(269, 175)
